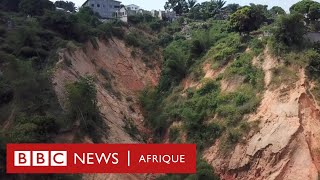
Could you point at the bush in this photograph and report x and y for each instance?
(243, 67)
(204, 172)
(225, 49)
(155, 26)
(83, 107)
(175, 67)
(6, 91)
(289, 29)
(33, 129)
(257, 46)
(165, 39)
(174, 134)
(138, 39)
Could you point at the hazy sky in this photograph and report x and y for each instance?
(158, 4)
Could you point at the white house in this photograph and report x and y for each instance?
(132, 9)
(105, 8)
(122, 14)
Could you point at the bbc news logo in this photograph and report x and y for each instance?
(40, 158)
(101, 158)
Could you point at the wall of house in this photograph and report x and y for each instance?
(313, 36)
(123, 15)
(105, 8)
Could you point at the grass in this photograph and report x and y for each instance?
(174, 134)
(283, 75)
(131, 128)
(225, 50)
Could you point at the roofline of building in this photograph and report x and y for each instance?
(88, 0)
(84, 3)
(132, 4)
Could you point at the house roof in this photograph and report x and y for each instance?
(132, 5)
(88, 0)
(85, 2)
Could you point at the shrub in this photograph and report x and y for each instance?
(175, 67)
(289, 29)
(257, 46)
(165, 39)
(131, 128)
(209, 87)
(173, 134)
(33, 129)
(155, 26)
(83, 107)
(6, 91)
(28, 52)
(225, 49)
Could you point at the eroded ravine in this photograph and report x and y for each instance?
(119, 77)
(287, 144)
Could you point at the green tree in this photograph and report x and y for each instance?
(219, 4)
(83, 107)
(289, 29)
(67, 5)
(179, 6)
(231, 8)
(247, 19)
(35, 7)
(10, 5)
(310, 9)
(191, 3)
(276, 10)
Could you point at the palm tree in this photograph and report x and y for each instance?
(191, 3)
(219, 4)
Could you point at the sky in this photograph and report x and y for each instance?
(158, 4)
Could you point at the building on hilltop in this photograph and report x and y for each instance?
(105, 8)
(133, 9)
(122, 14)
(164, 15)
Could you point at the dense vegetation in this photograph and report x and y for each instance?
(228, 36)
(223, 36)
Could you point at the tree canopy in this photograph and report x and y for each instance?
(67, 5)
(179, 6)
(247, 19)
(10, 5)
(35, 7)
(289, 29)
(309, 8)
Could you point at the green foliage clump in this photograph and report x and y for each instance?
(158, 121)
(247, 19)
(310, 9)
(175, 67)
(36, 129)
(225, 50)
(289, 29)
(80, 26)
(257, 46)
(10, 5)
(35, 7)
(109, 29)
(131, 128)
(242, 66)
(204, 171)
(66, 5)
(174, 134)
(137, 38)
(83, 107)
(313, 67)
(165, 39)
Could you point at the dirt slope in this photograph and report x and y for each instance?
(287, 146)
(113, 67)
